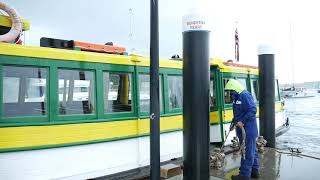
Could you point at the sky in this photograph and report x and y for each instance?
(291, 27)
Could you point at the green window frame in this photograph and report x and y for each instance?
(56, 116)
(177, 77)
(73, 78)
(242, 81)
(53, 116)
(161, 92)
(255, 91)
(277, 96)
(213, 101)
(5, 62)
(237, 76)
(119, 69)
(162, 79)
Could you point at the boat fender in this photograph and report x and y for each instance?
(16, 27)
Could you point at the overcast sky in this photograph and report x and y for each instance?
(126, 23)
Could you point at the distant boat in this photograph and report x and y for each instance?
(294, 92)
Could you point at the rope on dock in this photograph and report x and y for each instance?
(297, 154)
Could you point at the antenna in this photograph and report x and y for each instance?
(131, 33)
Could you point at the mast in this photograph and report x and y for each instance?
(291, 53)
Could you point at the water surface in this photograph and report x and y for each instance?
(304, 114)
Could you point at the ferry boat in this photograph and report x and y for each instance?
(73, 114)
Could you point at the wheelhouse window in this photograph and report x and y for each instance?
(76, 92)
(227, 96)
(175, 92)
(243, 82)
(144, 91)
(213, 97)
(255, 90)
(117, 92)
(24, 91)
(276, 89)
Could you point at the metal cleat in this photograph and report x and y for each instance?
(295, 150)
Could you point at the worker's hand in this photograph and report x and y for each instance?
(240, 124)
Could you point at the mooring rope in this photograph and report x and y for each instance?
(293, 153)
(243, 144)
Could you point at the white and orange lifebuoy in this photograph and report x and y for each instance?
(16, 27)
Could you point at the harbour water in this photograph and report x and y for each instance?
(304, 114)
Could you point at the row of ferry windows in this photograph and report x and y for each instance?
(25, 91)
(227, 96)
(254, 90)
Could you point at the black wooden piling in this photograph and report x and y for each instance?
(154, 93)
(196, 101)
(267, 94)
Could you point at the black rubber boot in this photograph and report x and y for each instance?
(255, 173)
(239, 177)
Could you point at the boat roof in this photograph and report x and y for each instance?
(83, 56)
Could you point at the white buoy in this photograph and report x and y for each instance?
(16, 27)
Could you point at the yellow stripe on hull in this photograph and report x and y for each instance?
(214, 117)
(33, 136)
(37, 136)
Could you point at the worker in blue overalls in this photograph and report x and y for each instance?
(244, 113)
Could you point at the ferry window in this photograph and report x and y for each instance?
(175, 92)
(144, 91)
(213, 98)
(24, 91)
(255, 89)
(117, 92)
(276, 93)
(76, 92)
(243, 82)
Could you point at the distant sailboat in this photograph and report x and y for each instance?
(295, 92)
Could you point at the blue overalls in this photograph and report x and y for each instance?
(244, 110)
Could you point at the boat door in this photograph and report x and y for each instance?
(216, 105)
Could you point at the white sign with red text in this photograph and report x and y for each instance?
(194, 22)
